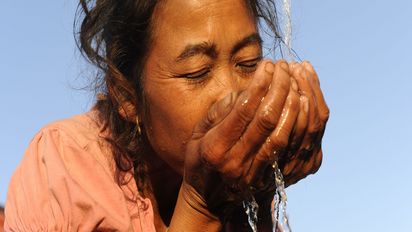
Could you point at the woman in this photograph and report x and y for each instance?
(189, 124)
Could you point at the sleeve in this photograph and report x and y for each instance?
(59, 186)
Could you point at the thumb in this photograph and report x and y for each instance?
(217, 112)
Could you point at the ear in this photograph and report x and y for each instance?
(128, 111)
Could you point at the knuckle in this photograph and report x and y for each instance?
(256, 90)
(324, 115)
(297, 71)
(282, 80)
(300, 126)
(267, 118)
(317, 127)
(278, 142)
(316, 163)
(211, 153)
(262, 87)
(244, 110)
(284, 85)
(295, 100)
(265, 153)
(245, 116)
(314, 169)
(314, 127)
(232, 171)
(287, 170)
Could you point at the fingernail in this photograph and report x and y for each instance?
(269, 68)
(284, 65)
(308, 66)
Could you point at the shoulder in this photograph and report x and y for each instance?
(66, 179)
(73, 144)
(82, 129)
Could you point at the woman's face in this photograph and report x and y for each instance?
(201, 52)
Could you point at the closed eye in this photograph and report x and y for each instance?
(196, 75)
(197, 78)
(249, 65)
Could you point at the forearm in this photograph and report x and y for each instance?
(191, 215)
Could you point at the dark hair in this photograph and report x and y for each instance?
(115, 36)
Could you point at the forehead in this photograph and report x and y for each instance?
(194, 21)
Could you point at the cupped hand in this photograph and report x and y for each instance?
(304, 153)
(233, 147)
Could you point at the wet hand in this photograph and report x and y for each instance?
(233, 146)
(280, 116)
(304, 153)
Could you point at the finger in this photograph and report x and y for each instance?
(313, 164)
(303, 169)
(301, 123)
(265, 119)
(305, 88)
(296, 173)
(278, 139)
(217, 112)
(219, 139)
(323, 109)
(289, 167)
(322, 106)
(317, 161)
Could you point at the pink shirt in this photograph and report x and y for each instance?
(65, 182)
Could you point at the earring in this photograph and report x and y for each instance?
(139, 130)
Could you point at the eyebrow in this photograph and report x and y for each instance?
(196, 49)
(248, 40)
(211, 51)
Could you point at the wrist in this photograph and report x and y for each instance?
(191, 213)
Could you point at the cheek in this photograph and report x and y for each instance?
(172, 114)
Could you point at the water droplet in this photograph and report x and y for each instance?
(245, 102)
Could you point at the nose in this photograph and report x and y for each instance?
(228, 81)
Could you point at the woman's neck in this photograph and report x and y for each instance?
(165, 185)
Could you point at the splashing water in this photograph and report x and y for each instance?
(279, 203)
(252, 209)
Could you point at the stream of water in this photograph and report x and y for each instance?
(279, 203)
(279, 215)
(251, 208)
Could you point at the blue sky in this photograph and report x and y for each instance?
(361, 50)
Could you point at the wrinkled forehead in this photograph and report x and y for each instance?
(190, 21)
